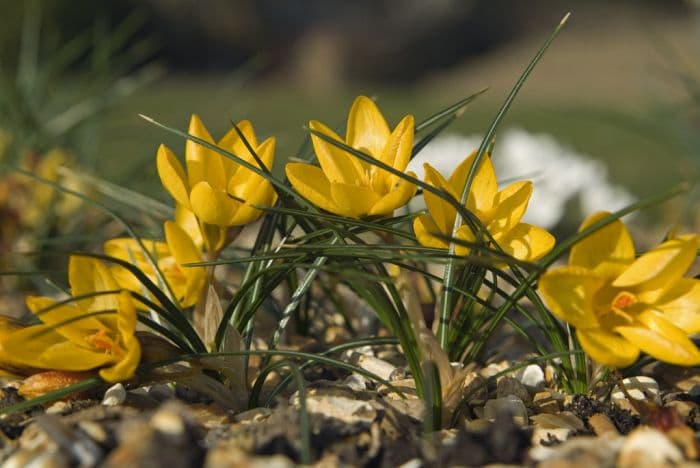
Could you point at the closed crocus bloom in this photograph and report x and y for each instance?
(347, 186)
(220, 192)
(622, 305)
(90, 334)
(178, 249)
(499, 211)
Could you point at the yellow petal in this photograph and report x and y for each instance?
(569, 291)
(464, 233)
(184, 251)
(126, 323)
(442, 212)
(311, 183)
(397, 151)
(607, 348)
(88, 275)
(235, 144)
(41, 347)
(608, 251)
(509, 207)
(680, 305)
(215, 237)
(264, 195)
(245, 182)
(397, 197)
(212, 206)
(70, 319)
(203, 164)
(366, 128)
(338, 165)
(484, 185)
(354, 201)
(266, 152)
(128, 249)
(172, 175)
(424, 227)
(186, 219)
(660, 339)
(527, 242)
(659, 268)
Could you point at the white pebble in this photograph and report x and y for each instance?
(115, 395)
(532, 377)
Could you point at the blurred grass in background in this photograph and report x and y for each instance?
(612, 86)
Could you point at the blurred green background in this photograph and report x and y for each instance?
(619, 84)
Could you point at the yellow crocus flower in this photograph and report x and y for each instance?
(179, 248)
(500, 212)
(220, 192)
(93, 334)
(347, 186)
(621, 305)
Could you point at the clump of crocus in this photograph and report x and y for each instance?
(220, 192)
(92, 332)
(179, 248)
(348, 186)
(622, 305)
(499, 211)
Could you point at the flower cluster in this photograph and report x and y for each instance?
(347, 186)
(220, 192)
(94, 330)
(620, 304)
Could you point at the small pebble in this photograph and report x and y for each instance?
(549, 374)
(640, 387)
(545, 402)
(356, 382)
(564, 420)
(348, 410)
(413, 463)
(602, 426)
(475, 389)
(115, 395)
(580, 451)
(648, 447)
(45, 459)
(493, 369)
(372, 364)
(253, 415)
(509, 405)
(512, 386)
(161, 392)
(94, 431)
(59, 407)
(532, 377)
(168, 422)
(543, 436)
(682, 407)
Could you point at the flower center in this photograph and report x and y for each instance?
(615, 307)
(103, 342)
(624, 300)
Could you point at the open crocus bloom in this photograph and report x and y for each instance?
(344, 184)
(178, 249)
(499, 212)
(89, 334)
(620, 304)
(220, 192)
